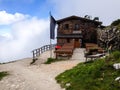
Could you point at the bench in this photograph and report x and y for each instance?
(93, 51)
(95, 56)
(65, 51)
(89, 46)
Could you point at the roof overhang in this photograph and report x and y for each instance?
(72, 36)
(78, 18)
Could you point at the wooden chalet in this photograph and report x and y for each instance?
(74, 32)
(77, 30)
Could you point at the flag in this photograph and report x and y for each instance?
(52, 27)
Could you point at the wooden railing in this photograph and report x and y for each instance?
(37, 52)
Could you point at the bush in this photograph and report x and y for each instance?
(3, 74)
(50, 60)
(115, 23)
(116, 55)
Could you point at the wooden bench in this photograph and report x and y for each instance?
(65, 51)
(92, 57)
(93, 51)
(89, 46)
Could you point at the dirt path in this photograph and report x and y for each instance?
(33, 77)
(24, 76)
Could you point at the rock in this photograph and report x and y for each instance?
(116, 65)
(117, 79)
(68, 84)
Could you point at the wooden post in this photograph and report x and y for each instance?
(39, 51)
(33, 55)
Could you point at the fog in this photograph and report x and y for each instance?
(24, 36)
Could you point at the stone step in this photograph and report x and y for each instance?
(78, 54)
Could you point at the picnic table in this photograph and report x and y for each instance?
(65, 51)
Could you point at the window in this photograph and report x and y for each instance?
(66, 26)
(77, 26)
(68, 40)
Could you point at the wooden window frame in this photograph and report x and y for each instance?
(66, 26)
(76, 27)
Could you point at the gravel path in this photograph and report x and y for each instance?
(24, 76)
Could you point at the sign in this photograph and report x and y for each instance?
(77, 32)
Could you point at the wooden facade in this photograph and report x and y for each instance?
(77, 30)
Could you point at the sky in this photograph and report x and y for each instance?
(24, 24)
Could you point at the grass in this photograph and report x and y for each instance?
(3, 74)
(93, 75)
(51, 60)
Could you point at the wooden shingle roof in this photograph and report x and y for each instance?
(78, 18)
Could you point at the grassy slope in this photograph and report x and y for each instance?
(97, 75)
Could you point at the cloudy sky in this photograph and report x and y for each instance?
(24, 24)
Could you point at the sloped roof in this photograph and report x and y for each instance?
(77, 18)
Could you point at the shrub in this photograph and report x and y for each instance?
(115, 23)
(116, 55)
(3, 74)
(50, 60)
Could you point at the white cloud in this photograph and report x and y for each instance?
(106, 10)
(6, 18)
(25, 35)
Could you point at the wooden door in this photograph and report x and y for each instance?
(77, 43)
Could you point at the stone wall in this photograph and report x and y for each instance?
(86, 28)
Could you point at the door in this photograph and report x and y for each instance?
(77, 43)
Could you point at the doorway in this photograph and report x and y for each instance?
(77, 43)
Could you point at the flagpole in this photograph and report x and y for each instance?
(50, 48)
(52, 31)
(50, 39)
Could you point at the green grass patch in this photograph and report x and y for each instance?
(3, 74)
(51, 60)
(93, 75)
